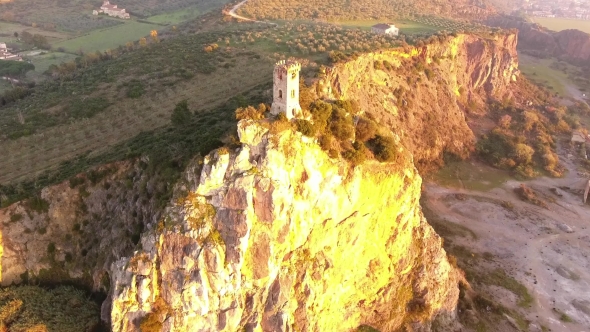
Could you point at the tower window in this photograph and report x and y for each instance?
(294, 75)
(280, 94)
(293, 93)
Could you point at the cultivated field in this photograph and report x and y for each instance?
(101, 40)
(7, 31)
(58, 137)
(175, 17)
(558, 24)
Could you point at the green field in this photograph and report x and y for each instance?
(405, 26)
(11, 28)
(42, 62)
(540, 72)
(110, 38)
(175, 17)
(558, 24)
(469, 175)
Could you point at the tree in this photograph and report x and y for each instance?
(15, 68)
(523, 153)
(181, 114)
(154, 35)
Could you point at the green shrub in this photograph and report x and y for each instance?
(357, 155)
(350, 106)
(384, 148)
(76, 181)
(365, 129)
(37, 204)
(305, 127)
(321, 113)
(181, 115)
(135, 89)
(51, 248)
(522, 153)
(16, 217)
(341, 125)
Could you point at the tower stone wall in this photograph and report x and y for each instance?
(286, 89)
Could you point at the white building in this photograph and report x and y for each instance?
(6, 55)
(111, 10)
(286, 89)
(385, 29)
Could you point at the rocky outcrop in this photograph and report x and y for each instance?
(277, 236)
(74, 230)
(422, 93)
(571, 45)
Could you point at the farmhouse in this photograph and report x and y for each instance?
(385, 29)
(111, 10)
(6, 55)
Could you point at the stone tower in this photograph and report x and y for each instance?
(285, 89)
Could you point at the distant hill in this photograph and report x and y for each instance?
(571, 45)
(365, 9)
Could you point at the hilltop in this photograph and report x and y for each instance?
(340, 10)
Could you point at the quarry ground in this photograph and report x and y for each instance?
(545, 249)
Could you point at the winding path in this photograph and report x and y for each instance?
(232, 13)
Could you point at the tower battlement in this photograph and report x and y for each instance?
(286, 89)
(288, 65)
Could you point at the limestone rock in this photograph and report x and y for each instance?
(302, 244)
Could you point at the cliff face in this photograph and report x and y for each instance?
(276, 236)
(427, 110)
(76, 229)
(571, 45)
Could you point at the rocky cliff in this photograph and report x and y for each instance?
(277, 236)
(422, 93)
(571, 45)
(73, 231)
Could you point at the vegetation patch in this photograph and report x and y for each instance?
(528, 195)
(523, 139)
(33, 308)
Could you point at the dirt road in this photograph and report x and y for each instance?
(232, 13)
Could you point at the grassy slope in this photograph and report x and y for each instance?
(558, 24)
(540, 72)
